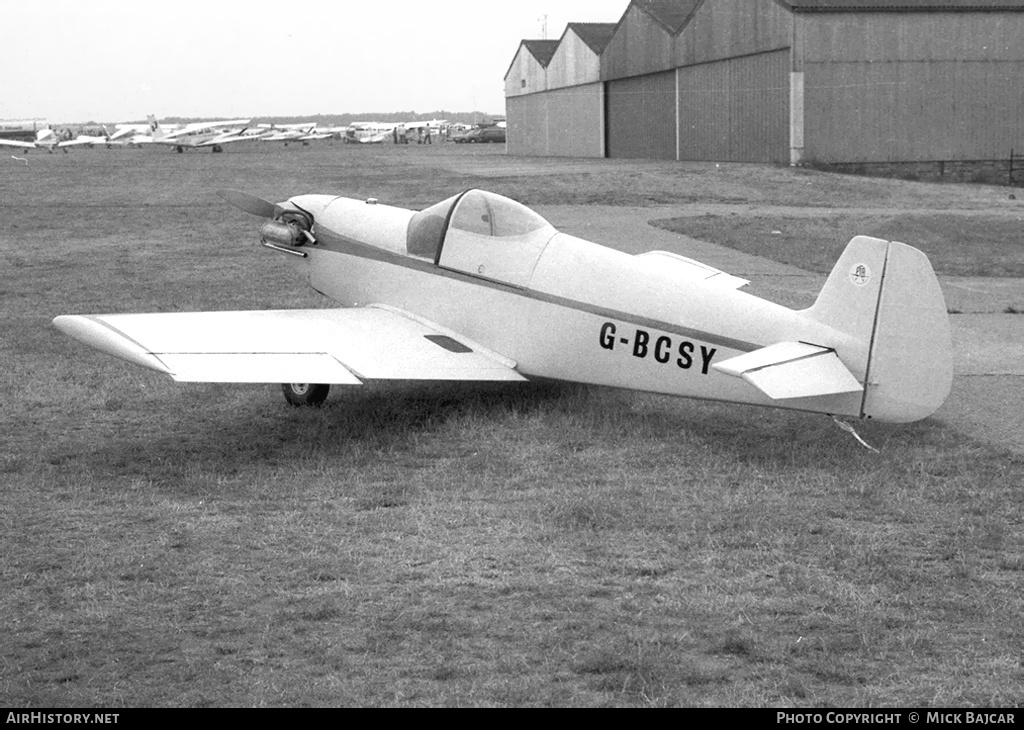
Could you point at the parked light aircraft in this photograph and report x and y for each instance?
(49, 140)
(480, 288)
(370, 132)
(125, 133)
(89, 140)
(436, 126)
(304, 132)
(139, 133)
(212, 135)
(46, 139)
(23, 133)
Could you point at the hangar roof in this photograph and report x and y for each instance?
(595, 35)
(846, 6)
(541, 50)
(673, 15)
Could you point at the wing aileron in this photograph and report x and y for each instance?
(262, 367)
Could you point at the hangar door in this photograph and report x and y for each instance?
(562, 122)
(641, 116)
(526, 120)
(575, 115)
(736, 110)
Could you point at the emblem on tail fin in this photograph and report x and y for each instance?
(860, 274)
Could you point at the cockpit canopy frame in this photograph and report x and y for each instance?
(482, 234)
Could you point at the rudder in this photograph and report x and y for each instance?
(911, 368)
(885, 296)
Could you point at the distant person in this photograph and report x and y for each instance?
(394, 134)
(426, 136)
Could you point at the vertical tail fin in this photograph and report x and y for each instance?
(886, 297)
(155, 129)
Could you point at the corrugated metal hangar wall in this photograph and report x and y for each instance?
(713, 75)
(641, 116)
(736, 110)
(559, 123)
(554, 101)
(894, 87)
(817, 81)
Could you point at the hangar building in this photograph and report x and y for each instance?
(556, 92)
(825, 82)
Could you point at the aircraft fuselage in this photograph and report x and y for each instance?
(585, 313)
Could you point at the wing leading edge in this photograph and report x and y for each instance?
(18, 143)
(330, 346)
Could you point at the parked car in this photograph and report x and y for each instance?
(486, 134)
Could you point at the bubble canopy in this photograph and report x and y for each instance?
(481, 233)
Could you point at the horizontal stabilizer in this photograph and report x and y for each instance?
(792, 370)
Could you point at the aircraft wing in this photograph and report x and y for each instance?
(236, 136)
(290, 346)
(18, 143)
(792, 370)
(77, 141)
(197, 127)
(177, 133)
(174, 141)
(123, 131)
(203, 142)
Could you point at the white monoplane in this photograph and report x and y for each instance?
(91, 140)
(480, 288)
(45, 139)
(370, 132)
(303, 132)
(199, 135)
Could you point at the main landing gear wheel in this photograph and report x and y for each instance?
(305, 394)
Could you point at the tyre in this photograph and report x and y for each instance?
(305, 394)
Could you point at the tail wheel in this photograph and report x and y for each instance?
(305, 394)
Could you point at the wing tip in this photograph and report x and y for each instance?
(91, 330)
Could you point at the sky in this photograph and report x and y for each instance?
(106, 61)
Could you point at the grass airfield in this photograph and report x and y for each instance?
(205, 545)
